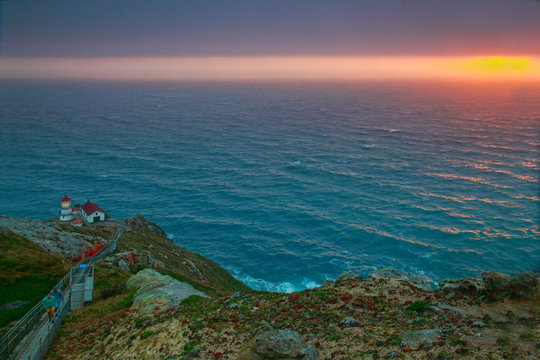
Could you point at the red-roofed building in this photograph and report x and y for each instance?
(92, 212)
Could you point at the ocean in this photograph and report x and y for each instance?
(286, 184)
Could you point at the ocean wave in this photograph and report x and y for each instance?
(505, 172)
(217, 168)
(475, 179)
(266, 285)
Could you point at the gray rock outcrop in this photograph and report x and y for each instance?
(50, 236)
(138, 222)
(350, 322)
(416, 280)
(468, 286)
(500, 285)
(144, 258)
(158, 292)
(420, 338)
(122, 264)
(348, 275)
(278, 344)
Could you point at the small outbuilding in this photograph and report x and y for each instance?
(92, 212)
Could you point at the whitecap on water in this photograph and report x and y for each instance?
(266, 285)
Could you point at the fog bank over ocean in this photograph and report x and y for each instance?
(288, 183)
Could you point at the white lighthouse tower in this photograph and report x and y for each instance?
(66, 214)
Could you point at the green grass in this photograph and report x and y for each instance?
(31, 289)
(192, 300)
(27, 273)
(146, 334)
(142, 321)
(190, 347)
(394, 340)
(418, 306)
(334, 337)
(122, 303)
(216, 281)
(455, 340)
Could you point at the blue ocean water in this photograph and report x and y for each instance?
(286, 184)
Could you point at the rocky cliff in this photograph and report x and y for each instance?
(35, 254)
(68, 241)
(352, 318)
(180, 305)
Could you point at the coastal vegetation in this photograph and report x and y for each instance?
(389, 315)
(27, 273)
(353, 318)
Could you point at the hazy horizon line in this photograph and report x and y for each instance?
(200, 68)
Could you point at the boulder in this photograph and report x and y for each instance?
(13, 305)
(350, 322)
(420, 338)
(157, 291)
(348, 275)
(467, 286)
(500, 285)
(413, 279)
(122, 264)
(278, 344)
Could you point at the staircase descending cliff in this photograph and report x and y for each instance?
(31, 337)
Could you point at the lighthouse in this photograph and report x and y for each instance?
(66, 214)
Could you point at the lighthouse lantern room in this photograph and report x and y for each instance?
(66, 214)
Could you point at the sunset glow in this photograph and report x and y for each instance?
(501, 66)
(290, 67)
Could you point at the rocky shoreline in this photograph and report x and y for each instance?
(351, 318)
(158, 301)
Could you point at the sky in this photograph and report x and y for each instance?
(216, 38)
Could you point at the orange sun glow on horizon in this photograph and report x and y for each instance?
(501, 66)
(273, 67)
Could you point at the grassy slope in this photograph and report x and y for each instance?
(27, 273)
(211, 278)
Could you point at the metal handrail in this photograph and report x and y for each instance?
(104, 251)
(39, 349)
(13, 337)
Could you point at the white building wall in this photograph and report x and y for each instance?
(90, 218)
